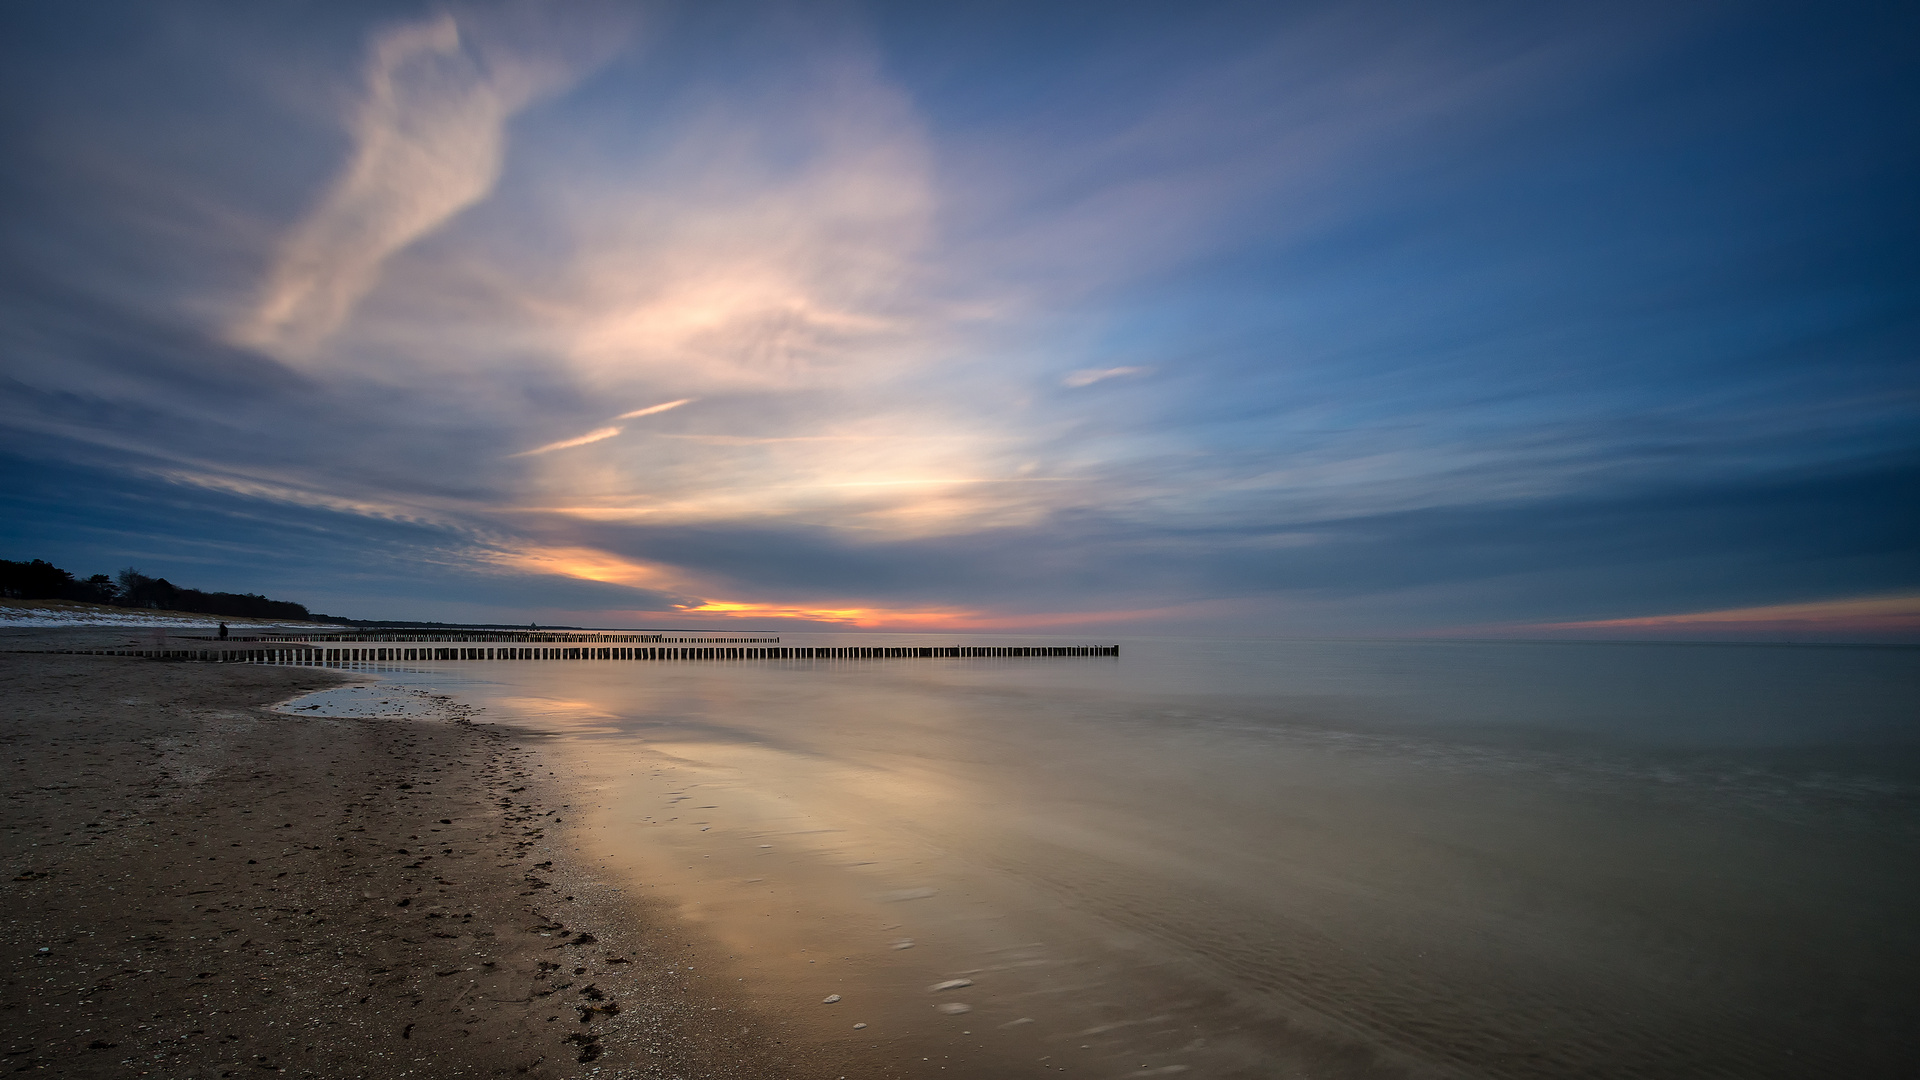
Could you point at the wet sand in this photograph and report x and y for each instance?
(199, 886)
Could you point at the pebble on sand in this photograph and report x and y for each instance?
(950, 984)
(953, 1008)
(830, 999)
(857, 1027)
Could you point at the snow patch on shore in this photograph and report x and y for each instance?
(386, 698)
(38, 618)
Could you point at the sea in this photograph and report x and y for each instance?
(1239, 857)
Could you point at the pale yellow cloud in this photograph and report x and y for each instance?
(652, 409)
(599, 434)
(895, 484)
(587, 564)
(741, 264)
(427, 143)
(770, 256)
(593, 436)
(429, 134)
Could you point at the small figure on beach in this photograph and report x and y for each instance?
(223, 631)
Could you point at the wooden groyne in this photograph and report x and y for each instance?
(330, 654)
(551, 637)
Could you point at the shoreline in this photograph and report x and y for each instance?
(58, 615)
(201, 885)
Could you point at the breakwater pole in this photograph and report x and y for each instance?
(336, 651)
(549, 637)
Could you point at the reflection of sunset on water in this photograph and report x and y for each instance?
(1158, 854)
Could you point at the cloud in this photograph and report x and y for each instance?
(651, 409)
(598, 434)
(608, 432)
(948, 619)
(593, 564)
(773, 242)
(428, 135)
(876, 279)
(292, 495)
(689, 593)
(427, 143)
(1089, 376)
(850, 616)
(1898, 614)
(587, 564)
(593, 436)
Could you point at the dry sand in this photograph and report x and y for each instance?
(198, 886)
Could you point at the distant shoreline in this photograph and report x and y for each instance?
(53, 614)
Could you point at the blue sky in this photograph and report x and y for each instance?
(1354, 318)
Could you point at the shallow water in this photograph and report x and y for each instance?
(1335, 859)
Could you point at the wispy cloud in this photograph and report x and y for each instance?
(586, 564)
(427, 143)
(1871, 614)
(1089, 376)
(652, 409)
(593, 436)
(598, 434)
(428, 140)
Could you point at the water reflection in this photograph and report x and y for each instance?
(1266, 858)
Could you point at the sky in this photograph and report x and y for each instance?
(1291, 318)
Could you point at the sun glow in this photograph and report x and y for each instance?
(853, 616)
(693, 597)
(587, 564)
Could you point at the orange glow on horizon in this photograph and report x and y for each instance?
(1873, 614)
(864, 617)
(591, 564)
(948, 619)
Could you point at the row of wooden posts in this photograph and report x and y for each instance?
(329, 655)
(508, 637)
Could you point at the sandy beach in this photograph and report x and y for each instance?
(869, 870)
(200, 886)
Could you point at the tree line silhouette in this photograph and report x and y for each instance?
(41, 580)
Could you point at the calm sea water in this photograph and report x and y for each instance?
(1276, 858)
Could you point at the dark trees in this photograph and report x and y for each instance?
(41, 580)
